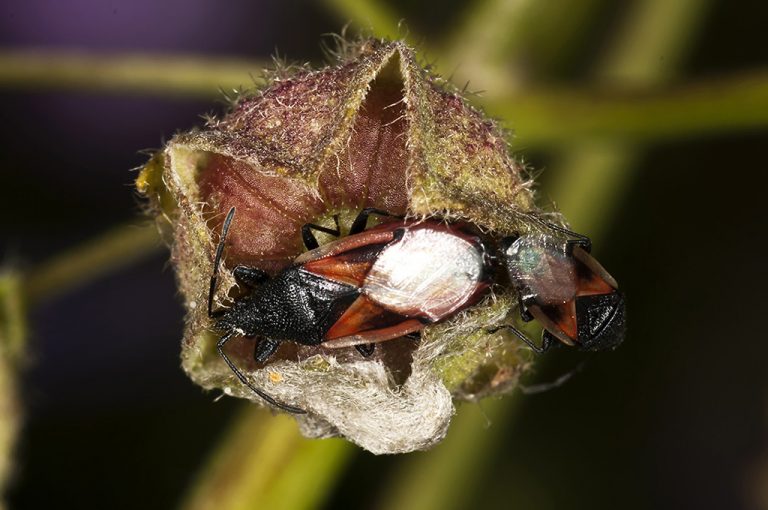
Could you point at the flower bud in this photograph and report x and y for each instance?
(374, 130)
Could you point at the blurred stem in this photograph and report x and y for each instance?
(371, 15)
(172, 74)
(13, 326)
(591, 203)
(657, 37)
(539, 118)
(473, 50)
(590, 184)
(13, 334)
(112, 250)
(564, 118)
(500, 44)
(444, 476)
(263, 462)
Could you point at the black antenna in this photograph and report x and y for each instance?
(244, 380)
(217, 260)
(223, 340)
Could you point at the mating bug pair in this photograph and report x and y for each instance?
(396, 278)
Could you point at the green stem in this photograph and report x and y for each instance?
(489, 30)
(502, 44)
(263, 462)
(370, 15)
(114, 249)
(134, 73)
(444, 477)
(654, 28)
(13, 335)
(568, 118)
(539, 118)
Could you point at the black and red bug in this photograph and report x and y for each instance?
(565, 289)
(368, 287)
(396, 278)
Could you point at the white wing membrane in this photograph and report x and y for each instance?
(429, 272)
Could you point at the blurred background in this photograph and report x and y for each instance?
(646, 123)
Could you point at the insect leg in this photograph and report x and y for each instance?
(546, 341)
(579, 239)
(584, 242)
(264, 349)
(250, 276)
(524, 313)
(366, 350)
(244, 380)
(309, 238)
(217, 261)
(362, 219)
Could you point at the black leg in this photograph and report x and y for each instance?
(264, 349)
(579, 239)
(362, 219)
(549, 340)
(366, 350)
(585, 244)
(217, 261)
(524, 313)
(546, 340)
(309, 238)
(250, 276)
(244, 380)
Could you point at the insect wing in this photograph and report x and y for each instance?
(593, 278)
(367, 322)
(348, 260)
(380, 235)
(594, 311)
(430, 272)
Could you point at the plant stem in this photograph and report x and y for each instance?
(472, 51)
(369, 15)
(112, 250)
(563, 118)
(539, 118)
(263, 462)
(13, 335)
(654, 28)
(134, 73)
(444, 476)
(503, 44)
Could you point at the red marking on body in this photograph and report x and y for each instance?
(350, 267)
(363, 315)
(380, 235)
(565, 318)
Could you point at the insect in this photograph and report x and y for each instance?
(394, 279)
(565, 289)
(368, 287)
